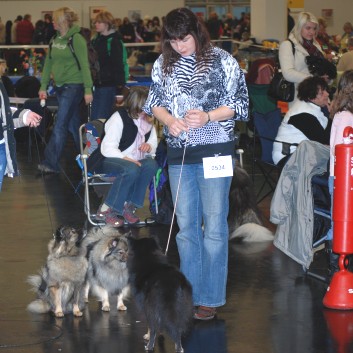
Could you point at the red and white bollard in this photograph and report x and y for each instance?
(339, 294)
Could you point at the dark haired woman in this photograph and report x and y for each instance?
(198, 91)
(307, 119)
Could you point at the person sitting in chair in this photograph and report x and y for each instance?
(129, 142)
(307, 119)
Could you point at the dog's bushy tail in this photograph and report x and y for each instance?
(251, 232)
(39, 286)
(38, 306)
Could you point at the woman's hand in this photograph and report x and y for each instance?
(177, 126)
(196, 118)
(42, 94)
(33, 119)
(88, 98)
(133, 161)
(145, 147)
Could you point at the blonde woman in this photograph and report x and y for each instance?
(303, 39)
(73, 83)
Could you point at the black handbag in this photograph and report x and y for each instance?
(280, 89)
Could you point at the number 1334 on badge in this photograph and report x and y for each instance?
(217, 167)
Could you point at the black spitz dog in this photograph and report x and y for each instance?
(161, 291)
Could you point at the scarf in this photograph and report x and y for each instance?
(311, 48)
(143, 127)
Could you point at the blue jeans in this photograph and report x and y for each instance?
(3, 163)
(67, 119)
(202, 211)
(130, 183)
(103, 102)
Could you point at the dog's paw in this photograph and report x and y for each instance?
(122, 307)
(78, 313)
(59, 314)
(148, 348)
(146, 336)
(106, 308)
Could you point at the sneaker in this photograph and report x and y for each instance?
(110, 217)
(47, 170)
(129, 213)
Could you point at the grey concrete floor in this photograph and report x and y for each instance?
(271, 305)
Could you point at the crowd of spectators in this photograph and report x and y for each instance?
(23, 31)
(147, 29)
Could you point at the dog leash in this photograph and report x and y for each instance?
(176, 196)
(42, 175)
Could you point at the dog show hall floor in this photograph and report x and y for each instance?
(272, 307)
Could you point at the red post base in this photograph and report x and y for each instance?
(339, 294)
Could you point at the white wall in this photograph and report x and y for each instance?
(263, 25)
(342, 12)
(119, 8)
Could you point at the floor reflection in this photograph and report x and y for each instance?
(272, 307)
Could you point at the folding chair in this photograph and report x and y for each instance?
(91, 134)
(266, 119)
(322, 219)
(266, 127)
(301, 206)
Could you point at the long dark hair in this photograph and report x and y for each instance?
(343, 99)
(177, 24)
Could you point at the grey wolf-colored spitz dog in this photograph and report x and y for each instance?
(59, 285)
(245, 219)
(107, 270)
(160, 290)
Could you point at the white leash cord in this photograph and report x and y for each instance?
(176, 197)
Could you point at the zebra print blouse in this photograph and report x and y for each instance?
(204, 85)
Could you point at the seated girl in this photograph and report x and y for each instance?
(125, 152)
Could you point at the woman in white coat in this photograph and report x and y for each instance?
(303, 38)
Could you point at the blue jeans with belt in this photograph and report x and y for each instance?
(202, 211)
(130, 183)
(67, 120)
(3, 162)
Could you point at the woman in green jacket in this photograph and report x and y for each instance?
(73, 82)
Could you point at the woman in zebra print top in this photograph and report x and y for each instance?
(197, 93)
